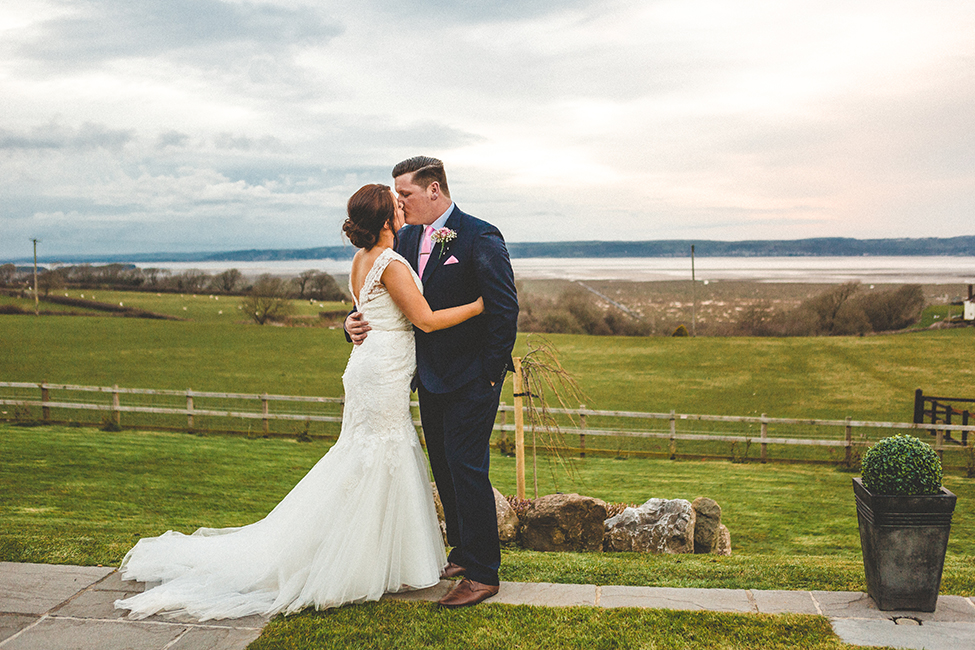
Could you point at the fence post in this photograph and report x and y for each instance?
(764, 435)
(939, 440)
(849, 443)
(918, 406)
(189, 409)
(45, 397)
(264, 412)
(519, 431)
(673, 434)
(116, 414)
(582, 436)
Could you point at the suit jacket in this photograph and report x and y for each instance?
(474, 264)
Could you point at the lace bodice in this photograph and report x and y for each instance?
(374, 301)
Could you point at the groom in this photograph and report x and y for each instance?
(460, 370)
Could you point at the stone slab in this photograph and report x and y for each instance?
(784, 602)
(114, 582)
(100, 604)
(854, 604)
(929, 636)
(75, 634)
(545, 594)
(10, 624)
(210, 638)
(36, 588)
(715, 600)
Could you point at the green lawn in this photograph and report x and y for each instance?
(79, 495)
(83, 496)
(489, 627)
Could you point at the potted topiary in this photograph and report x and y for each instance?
(904, 516)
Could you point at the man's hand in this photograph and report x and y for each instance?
(357, 326)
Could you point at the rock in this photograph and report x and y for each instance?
(658, 526)
(507, 518)
(723, 547)
(564, 522)
(441, 519)
(707, 520)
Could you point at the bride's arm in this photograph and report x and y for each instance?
(402, 289)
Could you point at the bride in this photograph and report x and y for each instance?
(361, 522)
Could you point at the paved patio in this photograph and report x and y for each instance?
(54, 607)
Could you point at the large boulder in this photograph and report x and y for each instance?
(658, 526)
(723, 546)
(507, 518)
(707, 520)
(564, 522)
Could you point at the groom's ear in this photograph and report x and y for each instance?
(433, 190)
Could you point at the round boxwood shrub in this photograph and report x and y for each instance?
(901, 465)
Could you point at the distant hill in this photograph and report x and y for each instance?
(818, 247)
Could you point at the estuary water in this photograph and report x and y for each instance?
(825, 270)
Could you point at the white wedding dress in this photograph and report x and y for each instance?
(359, 524)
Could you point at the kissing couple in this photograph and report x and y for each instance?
(436, 311)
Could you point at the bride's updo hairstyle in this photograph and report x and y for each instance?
(369, 210)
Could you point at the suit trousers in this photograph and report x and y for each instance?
(457, 427)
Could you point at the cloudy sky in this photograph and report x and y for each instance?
(192, 125)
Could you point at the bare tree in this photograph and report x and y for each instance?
(191, 280)
(7, 273)
(268, 300)
(301, 282)
(51, 280)
(228, 281)
(324, 287)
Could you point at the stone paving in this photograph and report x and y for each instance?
(51, 607)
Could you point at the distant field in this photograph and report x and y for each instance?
(202, 307)
(667, 304)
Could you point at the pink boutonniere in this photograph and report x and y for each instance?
(443, 237)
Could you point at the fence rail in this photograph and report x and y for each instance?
(577, 418)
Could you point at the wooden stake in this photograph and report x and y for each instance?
(518, 388)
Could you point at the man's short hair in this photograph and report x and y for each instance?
(425, 170)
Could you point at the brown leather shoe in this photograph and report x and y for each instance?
(452, 571)
(467, 593)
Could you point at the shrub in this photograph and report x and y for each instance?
(268, 300)
(680, 331)
(901, 465)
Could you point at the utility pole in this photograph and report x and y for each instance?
(693, 296)
(37, 305)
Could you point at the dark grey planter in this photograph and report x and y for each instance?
(904, 539)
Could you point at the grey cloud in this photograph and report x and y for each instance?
(246, 143)
(479, 10)
(55, 137)
(110, 29)
(172, 138)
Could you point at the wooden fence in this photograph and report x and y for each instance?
(836, 434)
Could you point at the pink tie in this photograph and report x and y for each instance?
(425, 247)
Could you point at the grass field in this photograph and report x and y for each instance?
(79, 495)
(866, 378)
(83, 496)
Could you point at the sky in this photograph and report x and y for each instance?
(131, 126)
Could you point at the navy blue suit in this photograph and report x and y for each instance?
(455, 368)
